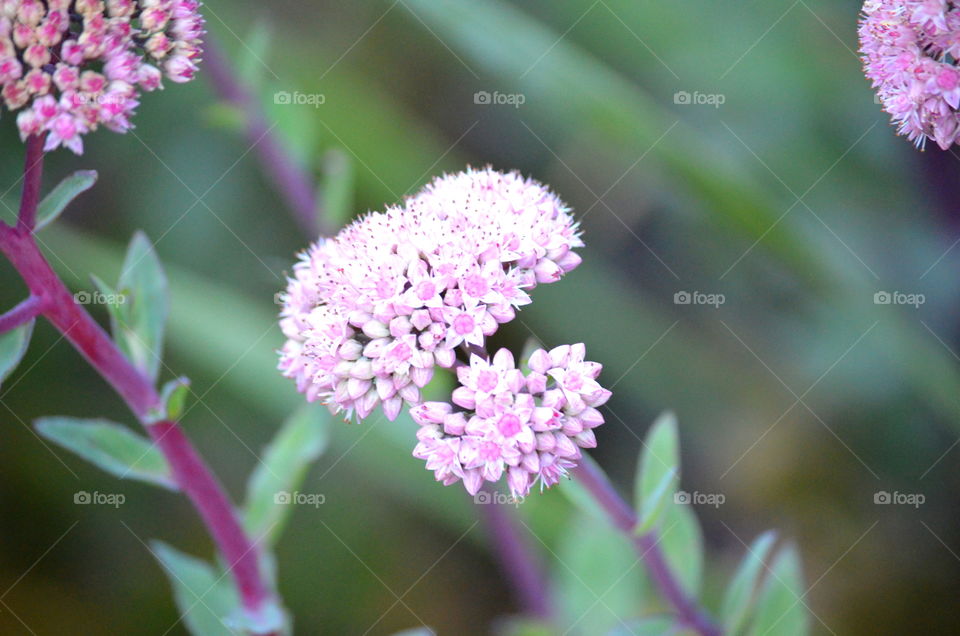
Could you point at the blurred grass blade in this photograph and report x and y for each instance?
(780, 609)
(251, 65)
(508, 44)
(111, 447)
(740, 594)
(144, 310)
(337, 189)
(300, 441)
(658, 471)
(205, 598)
(13, 345)
(60, 197)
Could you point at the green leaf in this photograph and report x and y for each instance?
(738, 600)
(251, 63)
(115, 309)
(173, 396)
(60, 197)
(205, 598)
(337, 190)
(780, 610)
(649, 626)
(682, 542)
(13, 344)
(144, 285)
(597, 577)
(111, 447)
(301, 440)
(658, 474)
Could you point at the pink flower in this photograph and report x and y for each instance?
(530, 427)
(88, 55)
(371, 312)
(908, 49)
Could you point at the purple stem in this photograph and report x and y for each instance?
(57, 304)
(623, 517)
(517, 560)
(21, 314)
(32, 176)
(290, 181)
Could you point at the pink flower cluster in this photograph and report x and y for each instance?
(70, 66)
(369, 313)
(909, 49)
(530, 427)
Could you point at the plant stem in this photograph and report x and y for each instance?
(516, 560)
(32, 176)
(289, 180)
(21, 314)
(57, 304)
(623, 518)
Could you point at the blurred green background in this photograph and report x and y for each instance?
(798, 397)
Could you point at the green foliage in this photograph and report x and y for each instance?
(682, 542)
(649, 626)
(781, 609)
(13, 345)
(598, 577)
(658, 472)
(111, 447)
(206, 599)
(741, 592)
(62, 195)
(138, 321)
(174, 396)
(337, 188)
(301, 440)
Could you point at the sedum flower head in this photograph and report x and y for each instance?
(909, 48)
(529, 427)
(69, 66)
(369, 313)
